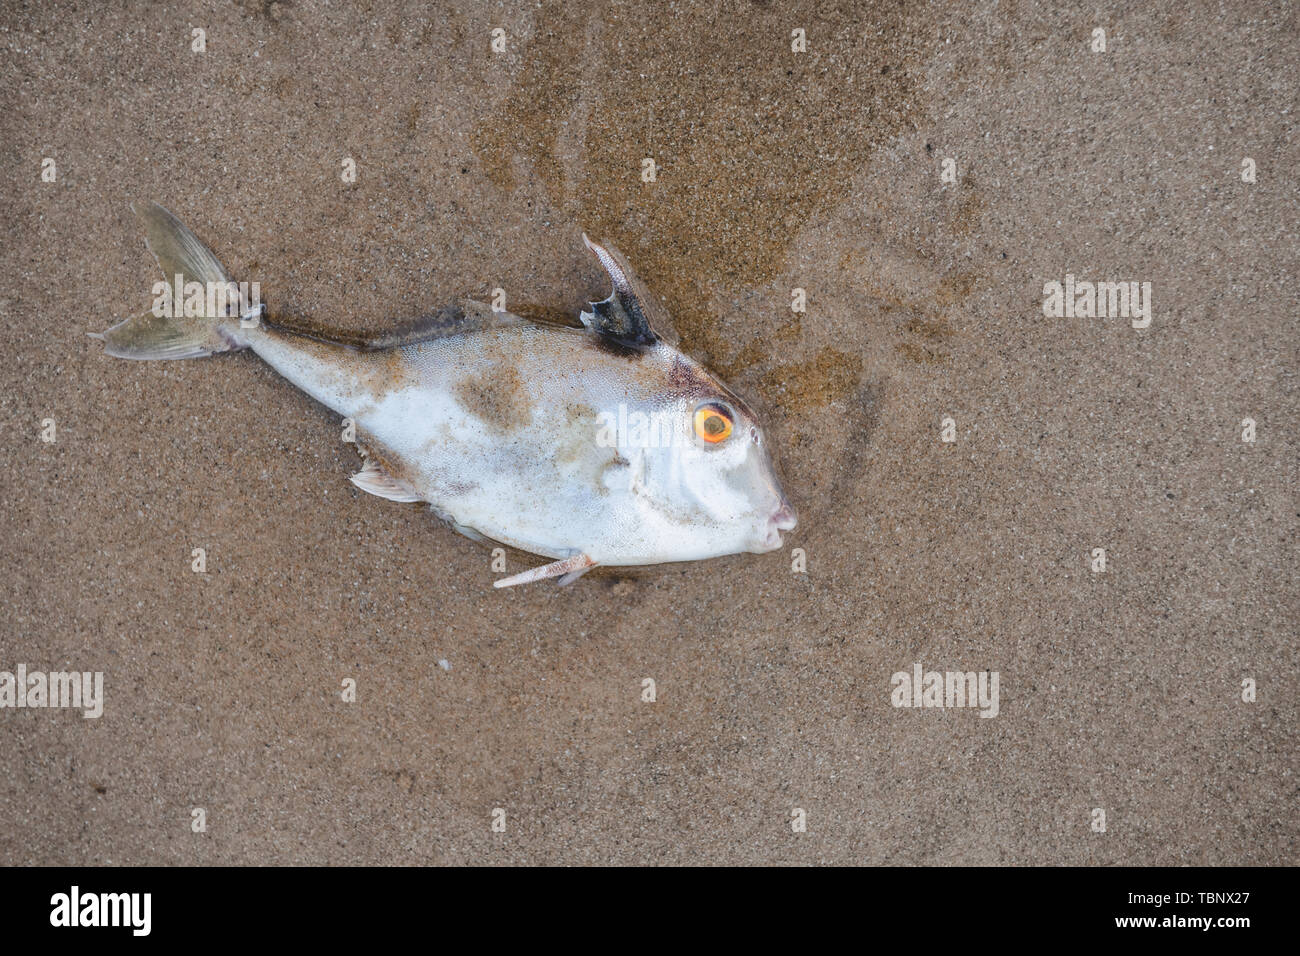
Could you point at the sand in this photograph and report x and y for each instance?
(1120, 691)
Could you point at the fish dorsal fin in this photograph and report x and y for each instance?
(465, 316)
(373, 479)
(631, 316)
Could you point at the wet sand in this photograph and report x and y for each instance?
(1119, 691)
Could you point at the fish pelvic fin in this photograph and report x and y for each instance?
(567, 570)
(185, 322)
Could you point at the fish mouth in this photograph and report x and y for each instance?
(782, 519)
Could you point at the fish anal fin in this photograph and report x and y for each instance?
(372, 478)
(567, 570)
(466, 530)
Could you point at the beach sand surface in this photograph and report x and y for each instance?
(820, 170)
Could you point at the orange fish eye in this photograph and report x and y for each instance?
(712, 423)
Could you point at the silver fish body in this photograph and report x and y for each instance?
(601, 445)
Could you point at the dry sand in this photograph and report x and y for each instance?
(821, 170)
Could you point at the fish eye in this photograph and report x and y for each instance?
(713, 422)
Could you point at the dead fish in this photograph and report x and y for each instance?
(599, 444)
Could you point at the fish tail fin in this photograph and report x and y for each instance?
(186, 322)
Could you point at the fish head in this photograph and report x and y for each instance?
(702, 480)
(707, 473)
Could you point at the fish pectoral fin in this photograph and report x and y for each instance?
(373, 479)
(567, 570)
